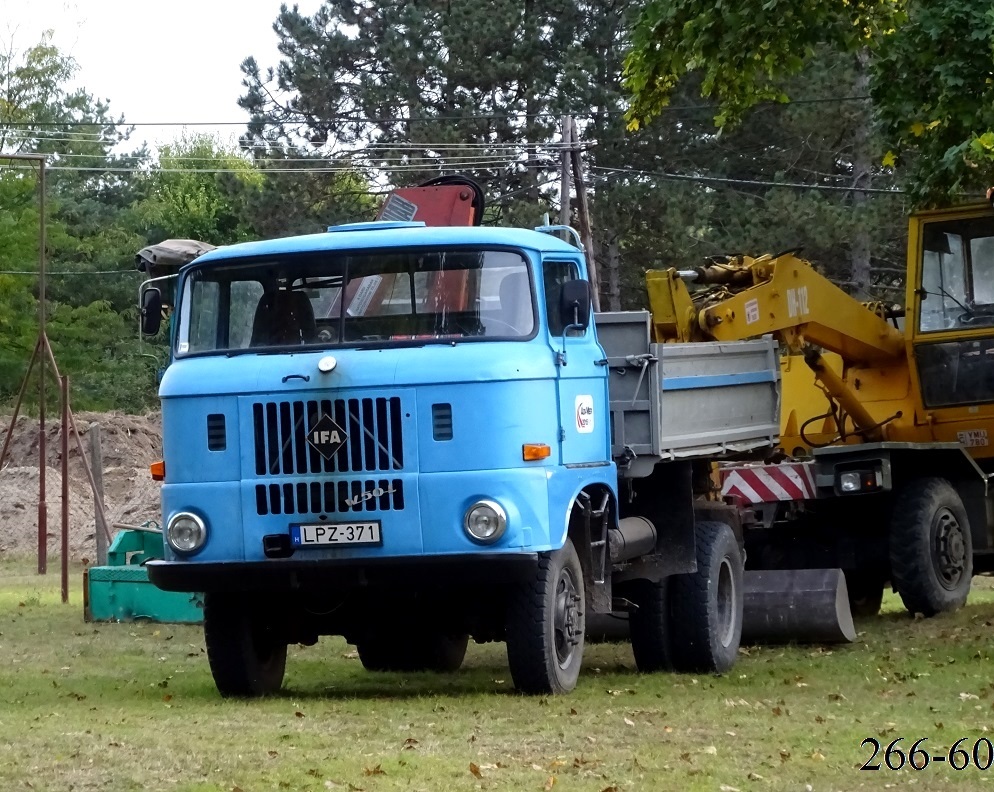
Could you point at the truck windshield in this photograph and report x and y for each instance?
(330, 299)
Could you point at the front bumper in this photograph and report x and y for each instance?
(340, 574)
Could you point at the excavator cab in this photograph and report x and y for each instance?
(951, 324)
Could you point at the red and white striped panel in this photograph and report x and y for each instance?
(769, 483)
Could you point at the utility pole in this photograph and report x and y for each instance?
(564, 183)
(583, 214)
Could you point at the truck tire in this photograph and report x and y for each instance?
(246, 657)
(650, 627)
(706, 605)
(417, 652)
(866, 593)
(931, 552)
(545, 625)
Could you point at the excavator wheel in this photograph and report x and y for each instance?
(931, 553)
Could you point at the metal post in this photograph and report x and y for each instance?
(65, 488)
(42, 505)
(97, 463)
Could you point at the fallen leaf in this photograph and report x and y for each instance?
(409, 744)
(784, 755)
(755, 777)
(273, 754)
(629, 722)
(711, 750)
(299, 714)
(475, 770)
(818, 756)
(555, 764)
(572, 711)
(968, 697)
(551, 782)
(374, 771)
(727, 788)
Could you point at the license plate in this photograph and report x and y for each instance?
(335, 534)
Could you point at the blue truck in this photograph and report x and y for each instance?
(414, 436)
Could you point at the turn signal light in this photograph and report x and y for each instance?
(531, 452)
(158, 470)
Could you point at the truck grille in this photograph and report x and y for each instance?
(373, 427)
(330, 497)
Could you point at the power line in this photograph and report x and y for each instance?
(745, 182)
(48, 272)
(418, 119)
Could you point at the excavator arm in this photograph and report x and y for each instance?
(786, 297)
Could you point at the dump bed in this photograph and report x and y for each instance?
(684, 401)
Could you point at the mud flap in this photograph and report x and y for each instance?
(797, 606)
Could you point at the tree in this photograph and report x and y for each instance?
(87, 230)
(421, 87)
(198, 191)
(937, 117)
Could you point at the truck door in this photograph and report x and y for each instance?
(584, 431)
(951, 286)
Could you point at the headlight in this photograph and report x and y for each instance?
(849, 482)
(485, 522)
(186, 533)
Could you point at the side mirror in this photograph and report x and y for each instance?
(151, 311)
(574, 304)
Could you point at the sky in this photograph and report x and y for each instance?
(174, 61)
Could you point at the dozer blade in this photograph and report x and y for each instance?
(797, 606)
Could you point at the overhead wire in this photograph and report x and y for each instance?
(303, 118)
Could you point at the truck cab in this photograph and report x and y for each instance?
(376, 432)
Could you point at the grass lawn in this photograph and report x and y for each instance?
(133, 707)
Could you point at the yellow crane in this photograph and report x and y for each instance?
(892, 407)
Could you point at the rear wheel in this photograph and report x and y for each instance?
(866, 593)
(706, 605)
(545, 625)
(246, 654)
(650, 627)
(931, 552)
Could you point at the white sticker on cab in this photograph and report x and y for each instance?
(584, 414)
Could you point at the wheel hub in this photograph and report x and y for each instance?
(566, 622)
(725, 601)
(949, 548)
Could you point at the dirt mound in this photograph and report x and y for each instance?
(129, 443)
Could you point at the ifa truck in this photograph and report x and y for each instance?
(416, 435)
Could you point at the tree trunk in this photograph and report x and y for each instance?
(611, 272)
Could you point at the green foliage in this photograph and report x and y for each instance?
(939, 117)
(742, 49)
(198, 192)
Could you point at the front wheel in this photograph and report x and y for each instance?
(246, 655)
(545, 625)
(706, 605)
(931, 552)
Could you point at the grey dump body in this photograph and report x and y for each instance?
(686, 401)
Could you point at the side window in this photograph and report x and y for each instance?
(982, 256)
(554, 275)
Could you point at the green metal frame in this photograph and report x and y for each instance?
(122, 592)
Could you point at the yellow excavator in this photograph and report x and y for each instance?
(887, 415)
